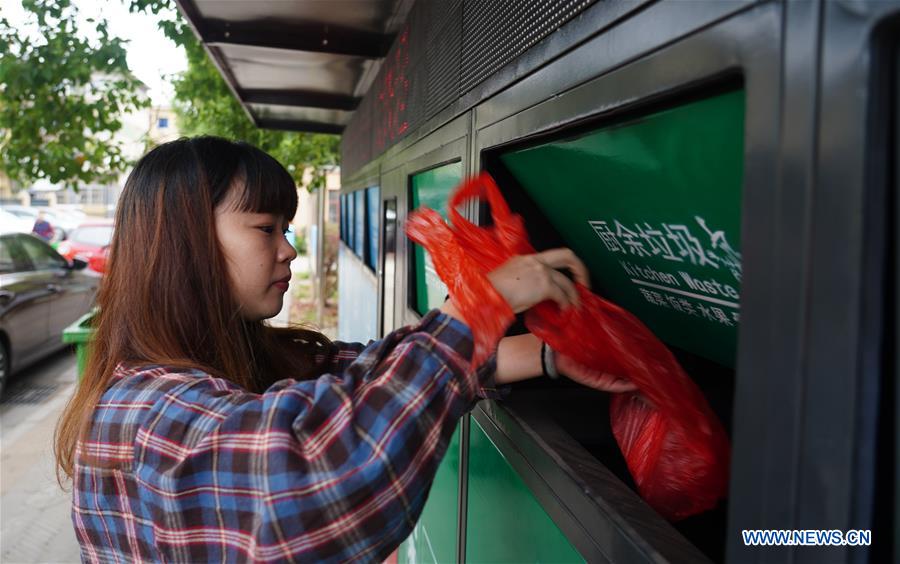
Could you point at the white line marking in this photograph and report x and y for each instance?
(691, 294)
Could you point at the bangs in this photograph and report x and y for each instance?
(267, 186)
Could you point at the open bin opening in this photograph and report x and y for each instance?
(584, 415)
(652, 203)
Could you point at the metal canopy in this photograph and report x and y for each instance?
(300, 65)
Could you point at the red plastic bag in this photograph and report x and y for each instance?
(675, 447)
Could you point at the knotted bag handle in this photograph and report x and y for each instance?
(508, 229)
(463, 253)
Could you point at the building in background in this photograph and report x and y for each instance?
(8, 189)
(162, 126)
(306, 201)
(141, 130)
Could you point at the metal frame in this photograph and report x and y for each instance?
(893, 360)
(300, 98)
(447, 145)
(669, 543)
(503, 118)
(385, 287)
(274, 30)
(844, 368)
(191, 15)
(604, 520)
(451, 143)
(745, 44)
(389, 182)
(813, 252)
(297, 36)
(303, 126)
(807, 369)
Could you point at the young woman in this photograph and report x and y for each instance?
(199, 433)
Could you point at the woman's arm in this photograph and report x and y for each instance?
(336, 468)
(518, 358)
(341, 354)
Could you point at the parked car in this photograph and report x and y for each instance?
(97, 262)
(41, 293)
(24, 212)
(31, 214)
(87, 239)
(13, 223)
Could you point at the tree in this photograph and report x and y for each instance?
(205, 105)
(61, 97)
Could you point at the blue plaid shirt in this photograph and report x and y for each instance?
(183, 467)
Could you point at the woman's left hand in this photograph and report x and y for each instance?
(591, 378)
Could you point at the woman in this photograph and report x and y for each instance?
(199, 433)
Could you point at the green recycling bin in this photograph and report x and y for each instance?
(80, 333)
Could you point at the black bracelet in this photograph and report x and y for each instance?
(543, 361)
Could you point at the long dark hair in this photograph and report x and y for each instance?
(165, 298)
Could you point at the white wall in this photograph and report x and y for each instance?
(357, 299)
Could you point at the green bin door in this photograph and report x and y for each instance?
(431, 188)
(434, 537)
(652, 206)
(506, 523)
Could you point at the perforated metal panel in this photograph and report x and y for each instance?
(444, 50)
(442, 55)
(357, 140)
(495, 33)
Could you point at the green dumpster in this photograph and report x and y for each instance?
(79, 333)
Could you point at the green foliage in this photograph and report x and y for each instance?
(330, 259)
(300, 242)
(205, 105)
(61, 97)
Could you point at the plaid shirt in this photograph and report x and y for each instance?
(184, 467)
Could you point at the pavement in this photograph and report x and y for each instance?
(35, 525)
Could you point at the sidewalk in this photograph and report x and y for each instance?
(34, 512)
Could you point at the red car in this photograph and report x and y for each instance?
(97, 262)
(88, 242)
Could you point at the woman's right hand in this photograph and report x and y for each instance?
(527, 280)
